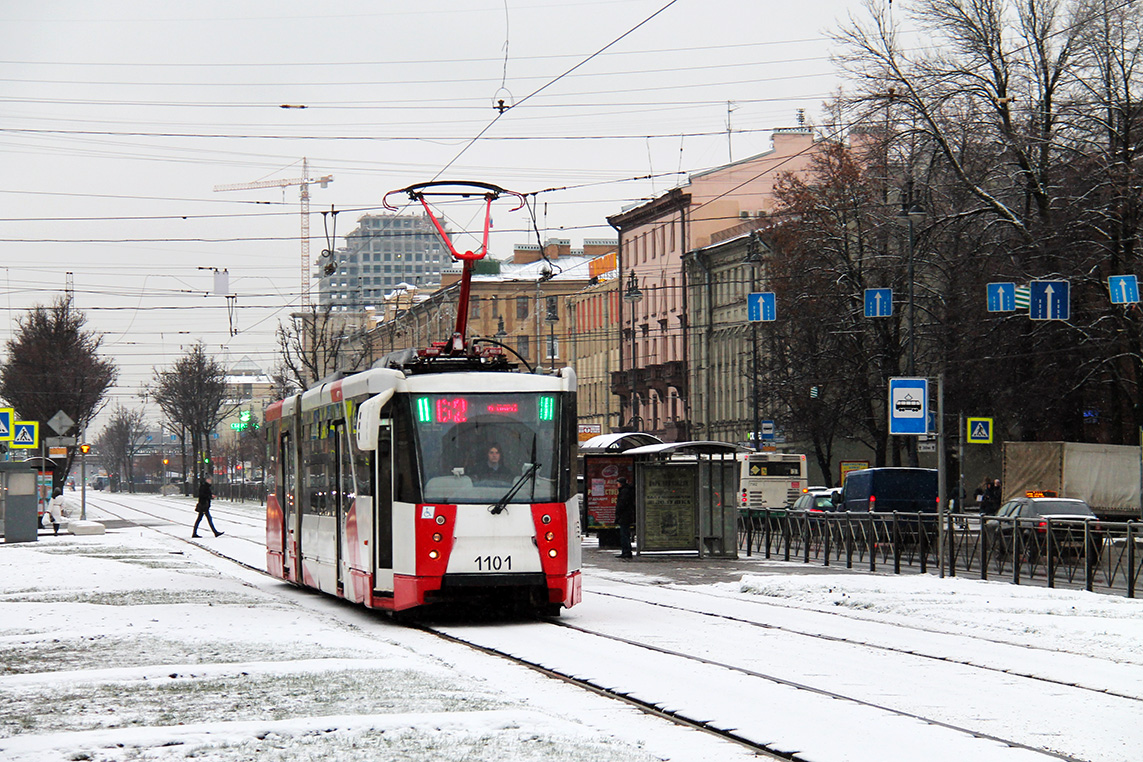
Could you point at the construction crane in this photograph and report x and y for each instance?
(304, 181)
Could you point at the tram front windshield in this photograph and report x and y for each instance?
(475, 448)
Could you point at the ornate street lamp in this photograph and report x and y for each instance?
(631, 295)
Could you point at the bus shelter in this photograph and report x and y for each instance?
(602, 460)
(18, 520)
(686, 497)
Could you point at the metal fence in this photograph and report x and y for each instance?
(240, 491)
(1093, 555)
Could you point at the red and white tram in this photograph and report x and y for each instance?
(382, 494)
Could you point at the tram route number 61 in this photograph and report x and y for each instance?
(494, 563)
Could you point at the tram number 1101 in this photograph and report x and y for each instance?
(494, 563)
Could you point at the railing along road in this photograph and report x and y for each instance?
(1095, 555)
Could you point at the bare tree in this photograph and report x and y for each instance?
(121, 440)
(1019, 124)
(830, 364)
(318, 342)
(53, 364)
(192, 396)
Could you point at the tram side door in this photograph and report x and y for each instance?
(288, 500)
(341, 481)
(383, 519)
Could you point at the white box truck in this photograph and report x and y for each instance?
(1107, 477)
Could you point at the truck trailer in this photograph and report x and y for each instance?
(1107, 477)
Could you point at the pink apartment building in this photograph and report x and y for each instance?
(653, 237)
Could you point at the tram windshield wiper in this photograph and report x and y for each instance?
(530, 470)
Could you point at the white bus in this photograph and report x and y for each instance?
(771, 480)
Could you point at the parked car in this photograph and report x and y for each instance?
(1028, 517)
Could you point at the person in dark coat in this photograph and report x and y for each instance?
(493, 469)
(625, 515)
(203, 507)
(992, 497)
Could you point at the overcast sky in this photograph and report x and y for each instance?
(118, 118)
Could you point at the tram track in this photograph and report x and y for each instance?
(216, 510)
(681, 717)
(716, 670)
(647, 702)
(890, 648)
(643, 706)
(167, 520)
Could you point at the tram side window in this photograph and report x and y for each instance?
(355, 468)
(405, 467)
(319, 475)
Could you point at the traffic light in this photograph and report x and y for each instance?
(85, 448)
(244, 421)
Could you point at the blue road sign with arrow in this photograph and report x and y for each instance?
(1124, 289)
(1001, 297)
(878, 302)
(1050, 300)
(761, 307)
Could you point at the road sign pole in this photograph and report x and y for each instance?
(754, 395)
(83, 476)
(942, 475)
(960, 432)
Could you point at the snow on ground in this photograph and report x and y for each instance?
(135, 645)
(1068, 621)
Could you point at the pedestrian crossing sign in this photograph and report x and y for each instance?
(6, 416)
(979, 431)
(25, 434)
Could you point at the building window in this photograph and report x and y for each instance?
(522, 346)
(553, 346)
(521, 307)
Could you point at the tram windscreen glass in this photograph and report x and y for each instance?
(474, 447)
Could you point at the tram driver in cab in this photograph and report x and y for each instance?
(492, 468)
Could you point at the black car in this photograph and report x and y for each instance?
(1028, 517)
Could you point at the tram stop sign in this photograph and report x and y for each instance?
(908, 406)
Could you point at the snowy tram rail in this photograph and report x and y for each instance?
(825, 667)
(774, 678)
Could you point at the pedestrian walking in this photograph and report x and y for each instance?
(203, 507)
(56, 509)
(625, 515)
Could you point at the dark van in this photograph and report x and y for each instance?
(884, 490)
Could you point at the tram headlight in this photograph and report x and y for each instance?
(433, 554)
(436, 536)
(546, 519)
(440, 519)
(550, 536)
(553, 553)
